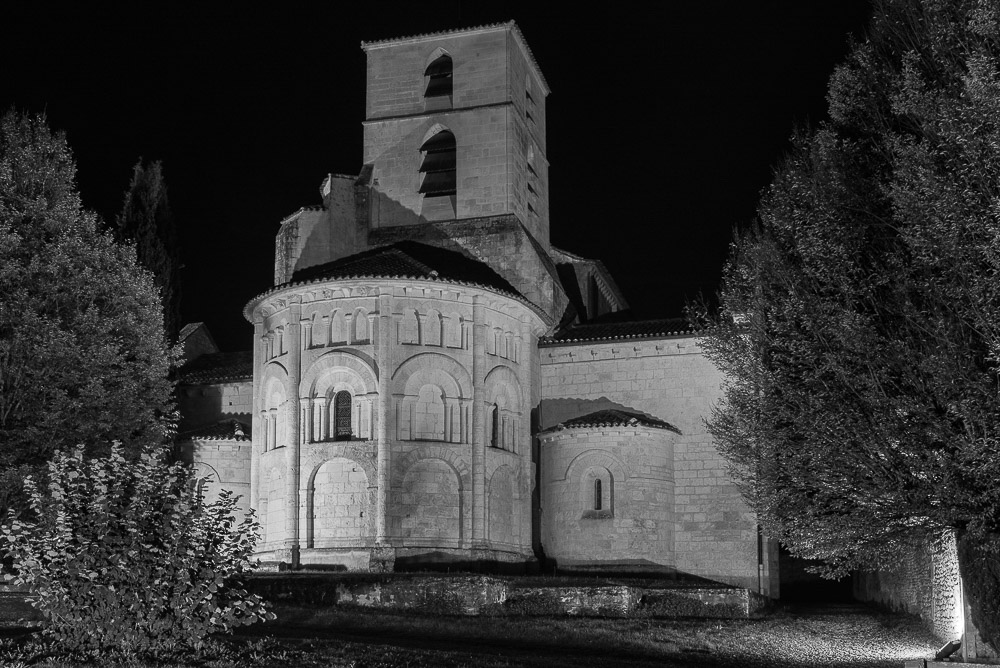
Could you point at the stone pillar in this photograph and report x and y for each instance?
(523, 437)
(323, 423)
(293, 437)
(259, 429)
(383, 357)
(479, 334)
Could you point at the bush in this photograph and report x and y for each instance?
(123, 555)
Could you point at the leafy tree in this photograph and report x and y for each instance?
(859, 326)
(124, 556)
(146, 219)
(82, 352)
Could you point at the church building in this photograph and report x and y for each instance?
(431, 381)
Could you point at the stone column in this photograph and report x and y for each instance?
(479, 334)
(308, 420)
(323, 424)
(293, 437)
(307, 336)
(259, 429)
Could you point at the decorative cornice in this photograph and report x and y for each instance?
(284, 293)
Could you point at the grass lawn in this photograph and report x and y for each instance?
(366, 638)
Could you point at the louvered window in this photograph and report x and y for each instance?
(438, 165)
(438, 75)
(342, 415)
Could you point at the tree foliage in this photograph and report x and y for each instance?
(82, 352)
(859, 326)
(146, 219)
(125, 556)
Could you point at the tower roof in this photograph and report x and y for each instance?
(409, 259)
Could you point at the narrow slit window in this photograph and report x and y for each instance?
(342, 416)
(597, 494)
(495, 427)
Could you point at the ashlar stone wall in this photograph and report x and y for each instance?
(220, 464)
(608, 496)
(667, 378)
(925, 583)
(496, 114)
(437, 455)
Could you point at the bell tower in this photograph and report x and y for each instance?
(454, 130)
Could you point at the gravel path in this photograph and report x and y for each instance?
(798, 637)
(838, 635)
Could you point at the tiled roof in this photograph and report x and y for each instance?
(218, 368)
(611, 331)
(613, 418)
(441, 33)
(187, 329)
(409, 259)
(226, 430)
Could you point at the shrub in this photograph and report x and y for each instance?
(124, 555)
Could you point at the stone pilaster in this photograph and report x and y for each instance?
(479, 334)
(259, 427)
(293, 437)
(525, 362)
(383, 358)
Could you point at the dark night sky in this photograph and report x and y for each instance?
(665, 120)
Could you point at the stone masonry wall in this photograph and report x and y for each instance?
(202, 405)
(634, 524)
(396, 72)
(529, 166)
(482, 178)
(714, 533)
(222, 464)
(926, 583)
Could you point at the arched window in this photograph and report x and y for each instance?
(438, 165)
(342, 416)
(495, 427)
(597, 494)
(438, 77)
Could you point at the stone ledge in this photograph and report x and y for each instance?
(497, 596)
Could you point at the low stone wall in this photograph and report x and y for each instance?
(928, 584)
(487, 595)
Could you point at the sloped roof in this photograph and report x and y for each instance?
(612, 417)
(218, 368)
(612, 330)
(225, 430)
(409, 259)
